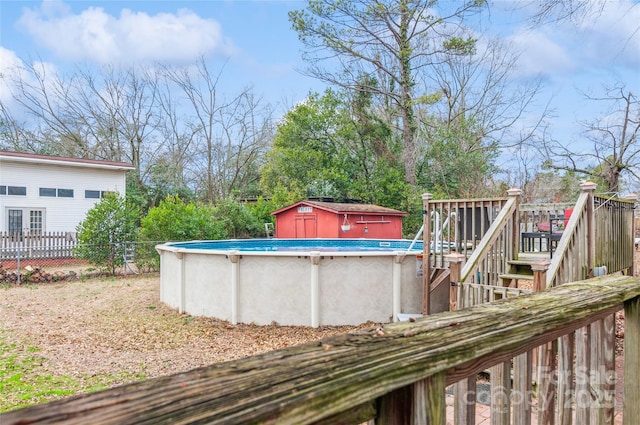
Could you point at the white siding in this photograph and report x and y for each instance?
(61, 214)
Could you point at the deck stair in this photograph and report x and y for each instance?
(518, 270)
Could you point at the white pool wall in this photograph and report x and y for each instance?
(290, 288)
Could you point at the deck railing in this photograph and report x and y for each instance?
(399, 373)
(600, 233)
(498, 245)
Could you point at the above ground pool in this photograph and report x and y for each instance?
(302, 282)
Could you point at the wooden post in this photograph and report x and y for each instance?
(464, 391)
(631, 410)
(522, 379)
(609, 351)
(631, 270)
(395, 408)
(500, 393)
(455, 265)
(426, 253)
(583, 362)
(515, 231)
(429, 404)
(540, 275)
(565, 379)
(590, 188)
(539, 283)
(545, 362)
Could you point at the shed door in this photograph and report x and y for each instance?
(306, 226)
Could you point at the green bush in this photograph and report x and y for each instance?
(103, 234)
(175, 220)
(237, 220)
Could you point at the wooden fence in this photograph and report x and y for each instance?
(37, 245)
(399, 373)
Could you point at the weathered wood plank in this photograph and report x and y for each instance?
(583, 362)
(565, 379)
(464, 406)
(609, 366)
(312, 382)
(429, 406)
(631, 409)
(546, 384)
(522, 378)
(500, 393)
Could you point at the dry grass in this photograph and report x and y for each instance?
(104, 332)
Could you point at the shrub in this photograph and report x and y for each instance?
(103, 234)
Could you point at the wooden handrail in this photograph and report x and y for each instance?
(355, 377)
(499, 227)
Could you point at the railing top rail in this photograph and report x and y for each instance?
(546, 206)
(470, 200)
(569, 231)
(325, 379)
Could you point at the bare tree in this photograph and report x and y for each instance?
(226, 137)
(107, 115)
(392, 40)
(612, 149)
(559, 10)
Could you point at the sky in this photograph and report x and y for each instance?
(253, 44)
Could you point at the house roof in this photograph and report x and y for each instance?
(345, 208)
(61, 160)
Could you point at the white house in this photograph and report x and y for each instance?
(41, 193)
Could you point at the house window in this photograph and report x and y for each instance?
(17, 190)
(92, 194)
(46, 191)
(65, 193)
(3, 190)
(15, 222)
(35, 221)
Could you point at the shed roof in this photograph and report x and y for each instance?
(61, 160)
(345, 208)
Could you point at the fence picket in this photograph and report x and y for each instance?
(36, 245)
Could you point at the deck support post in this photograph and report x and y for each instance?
(455, 266)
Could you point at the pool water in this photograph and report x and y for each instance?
(285, 245)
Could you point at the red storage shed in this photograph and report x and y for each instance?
(315, 219)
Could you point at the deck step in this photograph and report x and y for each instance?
(516, 276)
(521, 262)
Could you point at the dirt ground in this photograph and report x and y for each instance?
(120, 327)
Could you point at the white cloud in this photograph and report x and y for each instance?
(94, 35)
(10, 66)
(14, 72)
(540, 54)
(612, 36)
